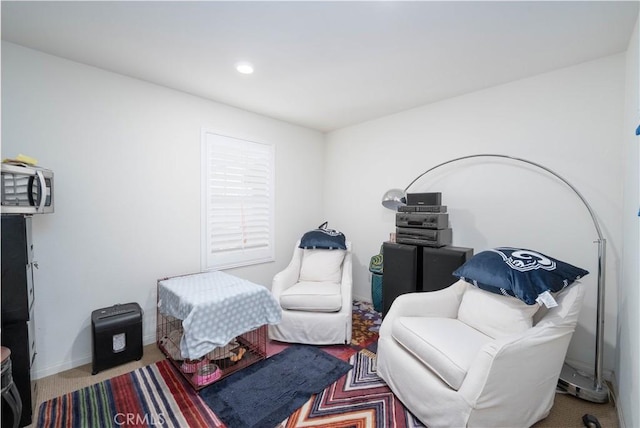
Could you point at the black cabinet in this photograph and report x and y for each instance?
(17, 262)
(411, 268)
(400, 272)
(17, 307)
(438, 265)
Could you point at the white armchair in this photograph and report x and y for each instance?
(315, 294)
(463, 357)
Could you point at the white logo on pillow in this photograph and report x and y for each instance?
(526, 260)
(330, 232)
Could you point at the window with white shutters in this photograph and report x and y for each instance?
(237, 202)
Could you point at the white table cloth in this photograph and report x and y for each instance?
(215, 307)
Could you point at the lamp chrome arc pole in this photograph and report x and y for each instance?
(571, 381)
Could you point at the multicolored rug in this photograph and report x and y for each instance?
(359, 399)
(157, 395)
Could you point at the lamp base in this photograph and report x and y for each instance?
(581, 385)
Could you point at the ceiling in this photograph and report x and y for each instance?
(320, 64)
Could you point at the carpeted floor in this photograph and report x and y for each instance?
(566, 413)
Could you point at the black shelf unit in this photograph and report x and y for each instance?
(18, 296)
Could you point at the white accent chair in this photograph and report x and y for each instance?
(464, 357)
(315, 294)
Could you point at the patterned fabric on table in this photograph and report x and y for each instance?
(214, 308)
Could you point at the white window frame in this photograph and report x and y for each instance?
(225, 189)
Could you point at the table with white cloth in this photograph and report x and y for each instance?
(215, 307)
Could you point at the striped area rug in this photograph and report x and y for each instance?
(359, 399)
(155, 395)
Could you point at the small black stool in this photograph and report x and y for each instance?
(9, 389)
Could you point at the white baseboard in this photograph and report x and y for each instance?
(77, 362)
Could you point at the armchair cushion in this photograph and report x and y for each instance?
(322, 265)
(446, 345)
(521, 273)
(312, 296)
(495, 315)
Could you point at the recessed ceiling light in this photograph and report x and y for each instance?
(244, 67)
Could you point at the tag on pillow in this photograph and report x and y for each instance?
(546, 299)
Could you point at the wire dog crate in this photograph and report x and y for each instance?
(217, 308)
(246, 349)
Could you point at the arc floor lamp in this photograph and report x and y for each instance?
(574, 382)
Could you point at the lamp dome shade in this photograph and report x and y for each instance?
(393, 198)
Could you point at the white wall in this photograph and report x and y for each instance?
(126, 157)
(569, 120)
(137, 145)
(628, 349)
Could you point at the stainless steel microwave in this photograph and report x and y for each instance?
(26, 189)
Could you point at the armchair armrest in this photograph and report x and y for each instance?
(533, 358)
(442, 303)
(289, 276)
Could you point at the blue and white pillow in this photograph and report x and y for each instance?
(518, 272)
(323, 238)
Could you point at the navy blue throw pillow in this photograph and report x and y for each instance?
(518, 272)
(323, 238)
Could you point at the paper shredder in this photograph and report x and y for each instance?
(116, 335)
